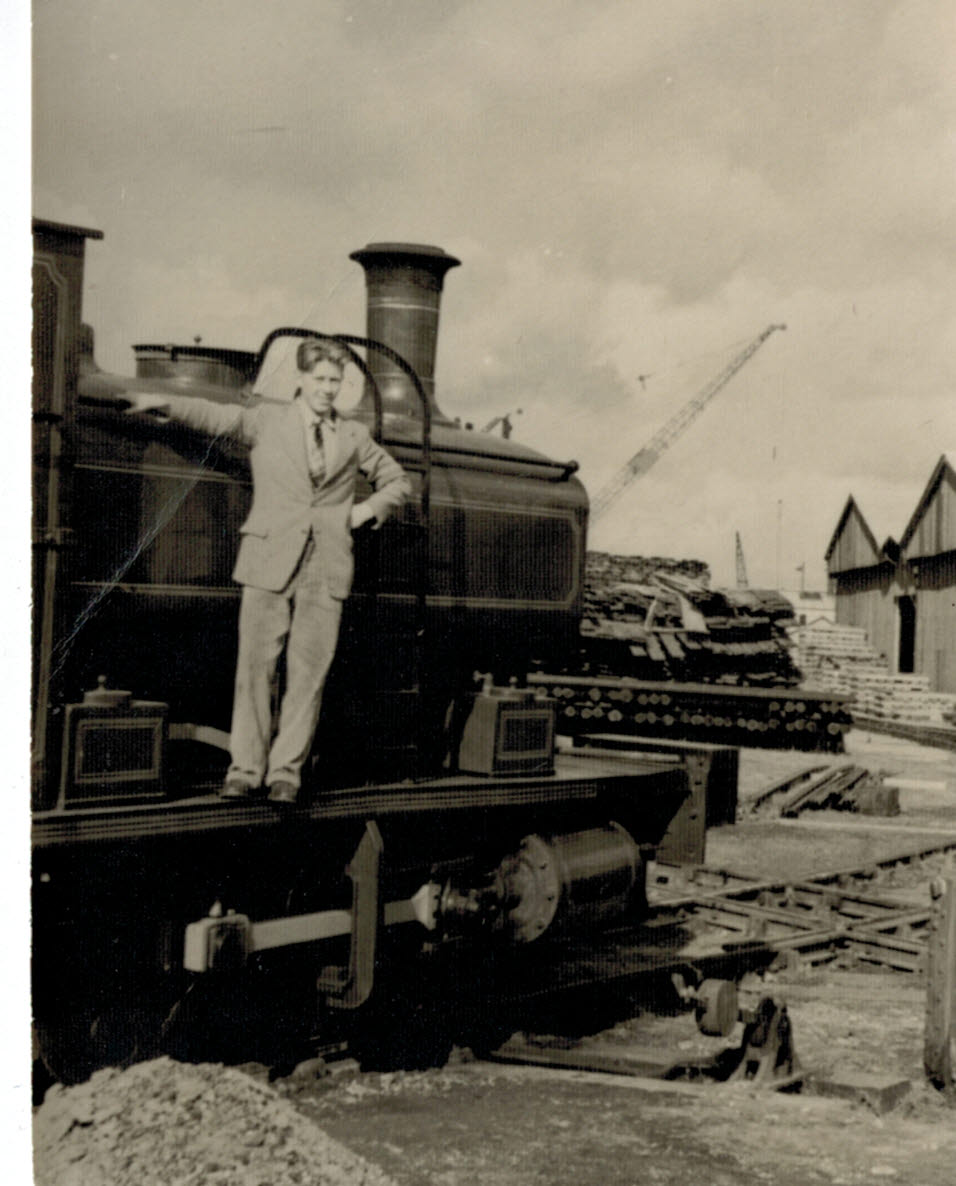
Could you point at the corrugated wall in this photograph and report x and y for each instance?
(864, 598)
(936, 621)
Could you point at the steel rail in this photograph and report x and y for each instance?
(786, 915)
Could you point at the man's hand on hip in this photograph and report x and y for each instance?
(361, 514)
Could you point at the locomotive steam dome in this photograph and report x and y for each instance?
(195, 365)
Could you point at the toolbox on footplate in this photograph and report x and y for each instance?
(508, 731)
(112, 749)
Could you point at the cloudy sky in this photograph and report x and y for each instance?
(634, 188)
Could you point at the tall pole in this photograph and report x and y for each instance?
(779, 523)
(741, 564)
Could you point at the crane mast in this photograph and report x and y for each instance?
(741, 564)
(645, 457)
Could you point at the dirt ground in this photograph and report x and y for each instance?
(479, 1122)
(484, 1124)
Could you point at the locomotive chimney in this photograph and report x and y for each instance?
(404, 282)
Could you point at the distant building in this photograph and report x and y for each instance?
(866, 581)
(903, 594)
(810, 606)
(928, 550)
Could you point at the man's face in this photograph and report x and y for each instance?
(321, 385)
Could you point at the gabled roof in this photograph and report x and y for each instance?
(852, 520)
(928, 535)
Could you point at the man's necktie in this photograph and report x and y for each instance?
(317, 433)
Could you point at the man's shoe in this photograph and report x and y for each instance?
(283, 792)
(235, 788)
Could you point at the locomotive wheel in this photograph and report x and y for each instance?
(486, 1032)
(717, 1007)
(400, 1035)
(116, 1033)
(72, 1048)
(405, 1025)
(63, 1050)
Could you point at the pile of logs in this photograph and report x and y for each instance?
(780, 719)
(653, 618)
(844, 787)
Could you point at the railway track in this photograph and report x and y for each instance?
(725, 924)
(850, 916)
(704, 924)
(707, 923)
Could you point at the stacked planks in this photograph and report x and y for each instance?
(654, 618)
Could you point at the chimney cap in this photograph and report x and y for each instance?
(429, 256)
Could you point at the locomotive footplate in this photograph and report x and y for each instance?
(656, 789)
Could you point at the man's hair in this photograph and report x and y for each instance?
(315, 350)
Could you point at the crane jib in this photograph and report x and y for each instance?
(645, 457)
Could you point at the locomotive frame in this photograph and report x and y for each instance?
(145, 890)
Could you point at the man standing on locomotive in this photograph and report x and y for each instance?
(295, 560)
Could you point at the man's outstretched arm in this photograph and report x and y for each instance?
(201, 414)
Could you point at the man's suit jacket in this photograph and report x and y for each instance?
(286, 505)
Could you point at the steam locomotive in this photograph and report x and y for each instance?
(443, 828)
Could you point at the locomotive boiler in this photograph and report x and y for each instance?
(442, 826)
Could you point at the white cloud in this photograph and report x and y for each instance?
(633, 188)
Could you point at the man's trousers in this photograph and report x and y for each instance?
(304, 618)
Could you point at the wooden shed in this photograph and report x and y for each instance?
(903, 595)
(867, 581)
(928, 552)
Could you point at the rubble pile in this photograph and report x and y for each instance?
(164, 1123)
(654, 618)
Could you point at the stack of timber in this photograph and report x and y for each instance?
(657, 619)
(825, 650)
(777, 718)
(844, 787)
(663, 656)
(840, 660)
